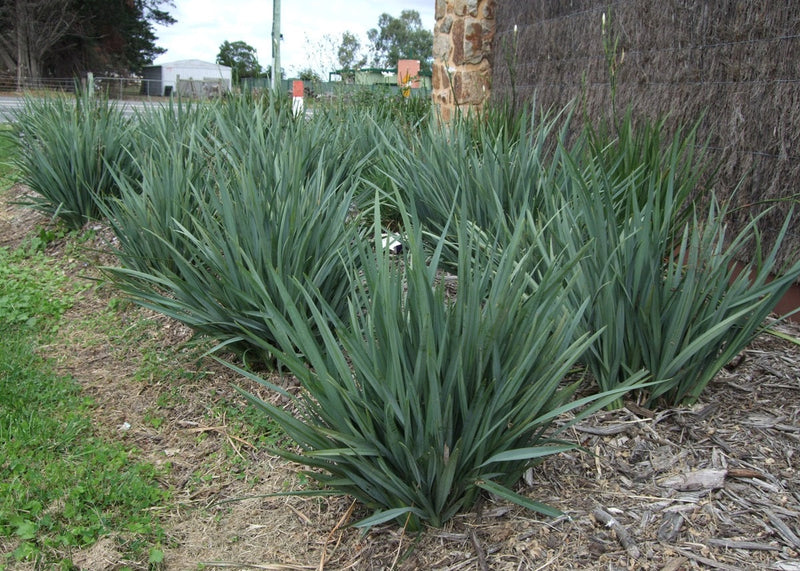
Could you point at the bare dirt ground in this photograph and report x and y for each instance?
(712, 486)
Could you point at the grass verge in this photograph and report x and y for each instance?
(8, 174)
(62, 487)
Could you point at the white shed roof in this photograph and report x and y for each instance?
(192, 63)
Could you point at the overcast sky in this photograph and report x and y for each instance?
(203, 25)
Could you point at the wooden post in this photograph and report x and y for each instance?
(297, 97)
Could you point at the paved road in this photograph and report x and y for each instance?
(10, 106)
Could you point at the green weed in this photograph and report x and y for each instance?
(32, 288)
(8, 145)
(61, 486)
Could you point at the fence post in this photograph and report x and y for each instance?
(90, 84)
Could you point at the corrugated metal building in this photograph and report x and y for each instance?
(191, 77)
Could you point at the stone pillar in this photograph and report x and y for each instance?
(462, 42)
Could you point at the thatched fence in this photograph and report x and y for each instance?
(736, 63)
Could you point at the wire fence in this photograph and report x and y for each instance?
(111, 87)
(134, 88)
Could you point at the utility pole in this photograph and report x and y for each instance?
(276, 45)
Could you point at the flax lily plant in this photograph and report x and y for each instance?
(660, 273)
(225, 211)
(499, 169)
(66, 147)
(419, 401)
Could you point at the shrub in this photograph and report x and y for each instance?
(381, 104)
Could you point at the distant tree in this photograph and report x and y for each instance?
(401, 38)
(136, 30)
(28, 29)
(241, 58)
(110, 36)
(309, 74)
(66, 37)
(349, 53)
